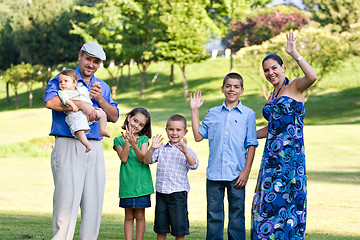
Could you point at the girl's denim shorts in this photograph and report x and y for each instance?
(135, 202)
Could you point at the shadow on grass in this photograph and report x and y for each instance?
(334, 108)
(329, 108)
(334, 177)
(26, 226)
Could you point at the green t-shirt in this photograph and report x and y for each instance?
(135, 177)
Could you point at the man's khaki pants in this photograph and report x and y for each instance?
(79, 180)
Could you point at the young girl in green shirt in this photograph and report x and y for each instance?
(136, 184)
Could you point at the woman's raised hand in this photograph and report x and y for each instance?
(290, 47)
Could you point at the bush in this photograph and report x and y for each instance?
(259, 28)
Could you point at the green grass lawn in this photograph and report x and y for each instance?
(332, 137)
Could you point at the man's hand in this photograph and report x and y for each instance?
(95, 91)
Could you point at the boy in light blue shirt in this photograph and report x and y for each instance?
(231, 132)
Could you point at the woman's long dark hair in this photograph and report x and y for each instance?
(274, 57)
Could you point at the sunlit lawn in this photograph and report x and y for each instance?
(332, 138)
(333, 196)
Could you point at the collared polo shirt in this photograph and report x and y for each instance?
(172, 169)
(230, 133)
(59, 126)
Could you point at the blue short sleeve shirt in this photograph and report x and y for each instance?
(230, 133)
(59, 126)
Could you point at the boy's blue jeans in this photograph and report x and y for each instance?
(215, 191)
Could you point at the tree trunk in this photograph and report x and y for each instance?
(16, 98)
(114, 87)
(186, 86)
(171, 75)
(129, 75)
(7, 92)
(113, 91)
(143, 81)
(30, 96)
(122, 79)
(44, 89)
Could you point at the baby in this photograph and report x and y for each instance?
(71, 90)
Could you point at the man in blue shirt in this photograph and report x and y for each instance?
(79, 177)
(231, 132)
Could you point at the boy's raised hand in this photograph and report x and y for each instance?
(195, 101)
(182, 145)
(157, 141)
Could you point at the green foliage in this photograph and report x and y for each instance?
(43, 33)
(263, 26)
(341, 13)
(27, 74)
(9, 53)
(222, 11)
(37, 32)
(322, 49)
(104, 26)
(187, 32)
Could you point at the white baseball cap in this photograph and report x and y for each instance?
(93, 49)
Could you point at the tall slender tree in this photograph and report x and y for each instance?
(188, 28)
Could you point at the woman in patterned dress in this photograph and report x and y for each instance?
(279, 204)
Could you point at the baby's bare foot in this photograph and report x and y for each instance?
(88, 149)
(104, 134)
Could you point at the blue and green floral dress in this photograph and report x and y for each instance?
(279, 204)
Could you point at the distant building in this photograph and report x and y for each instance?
(294, 3)
(216, 47)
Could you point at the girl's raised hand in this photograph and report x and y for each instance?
(291, 40)
(195, 101)
(133, 140)
(157, 141)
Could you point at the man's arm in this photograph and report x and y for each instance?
(56, 104)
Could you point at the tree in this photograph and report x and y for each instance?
(105, 27)
(20, 73)
(9, 54)
(263, 26)
(42, 33)
(126, 28)
(341, 13)
(224, 11)
(322, 49)
(141, 33)
(186, 34)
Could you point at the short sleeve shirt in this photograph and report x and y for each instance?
(135, 177)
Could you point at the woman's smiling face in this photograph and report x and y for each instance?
(274, 73)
